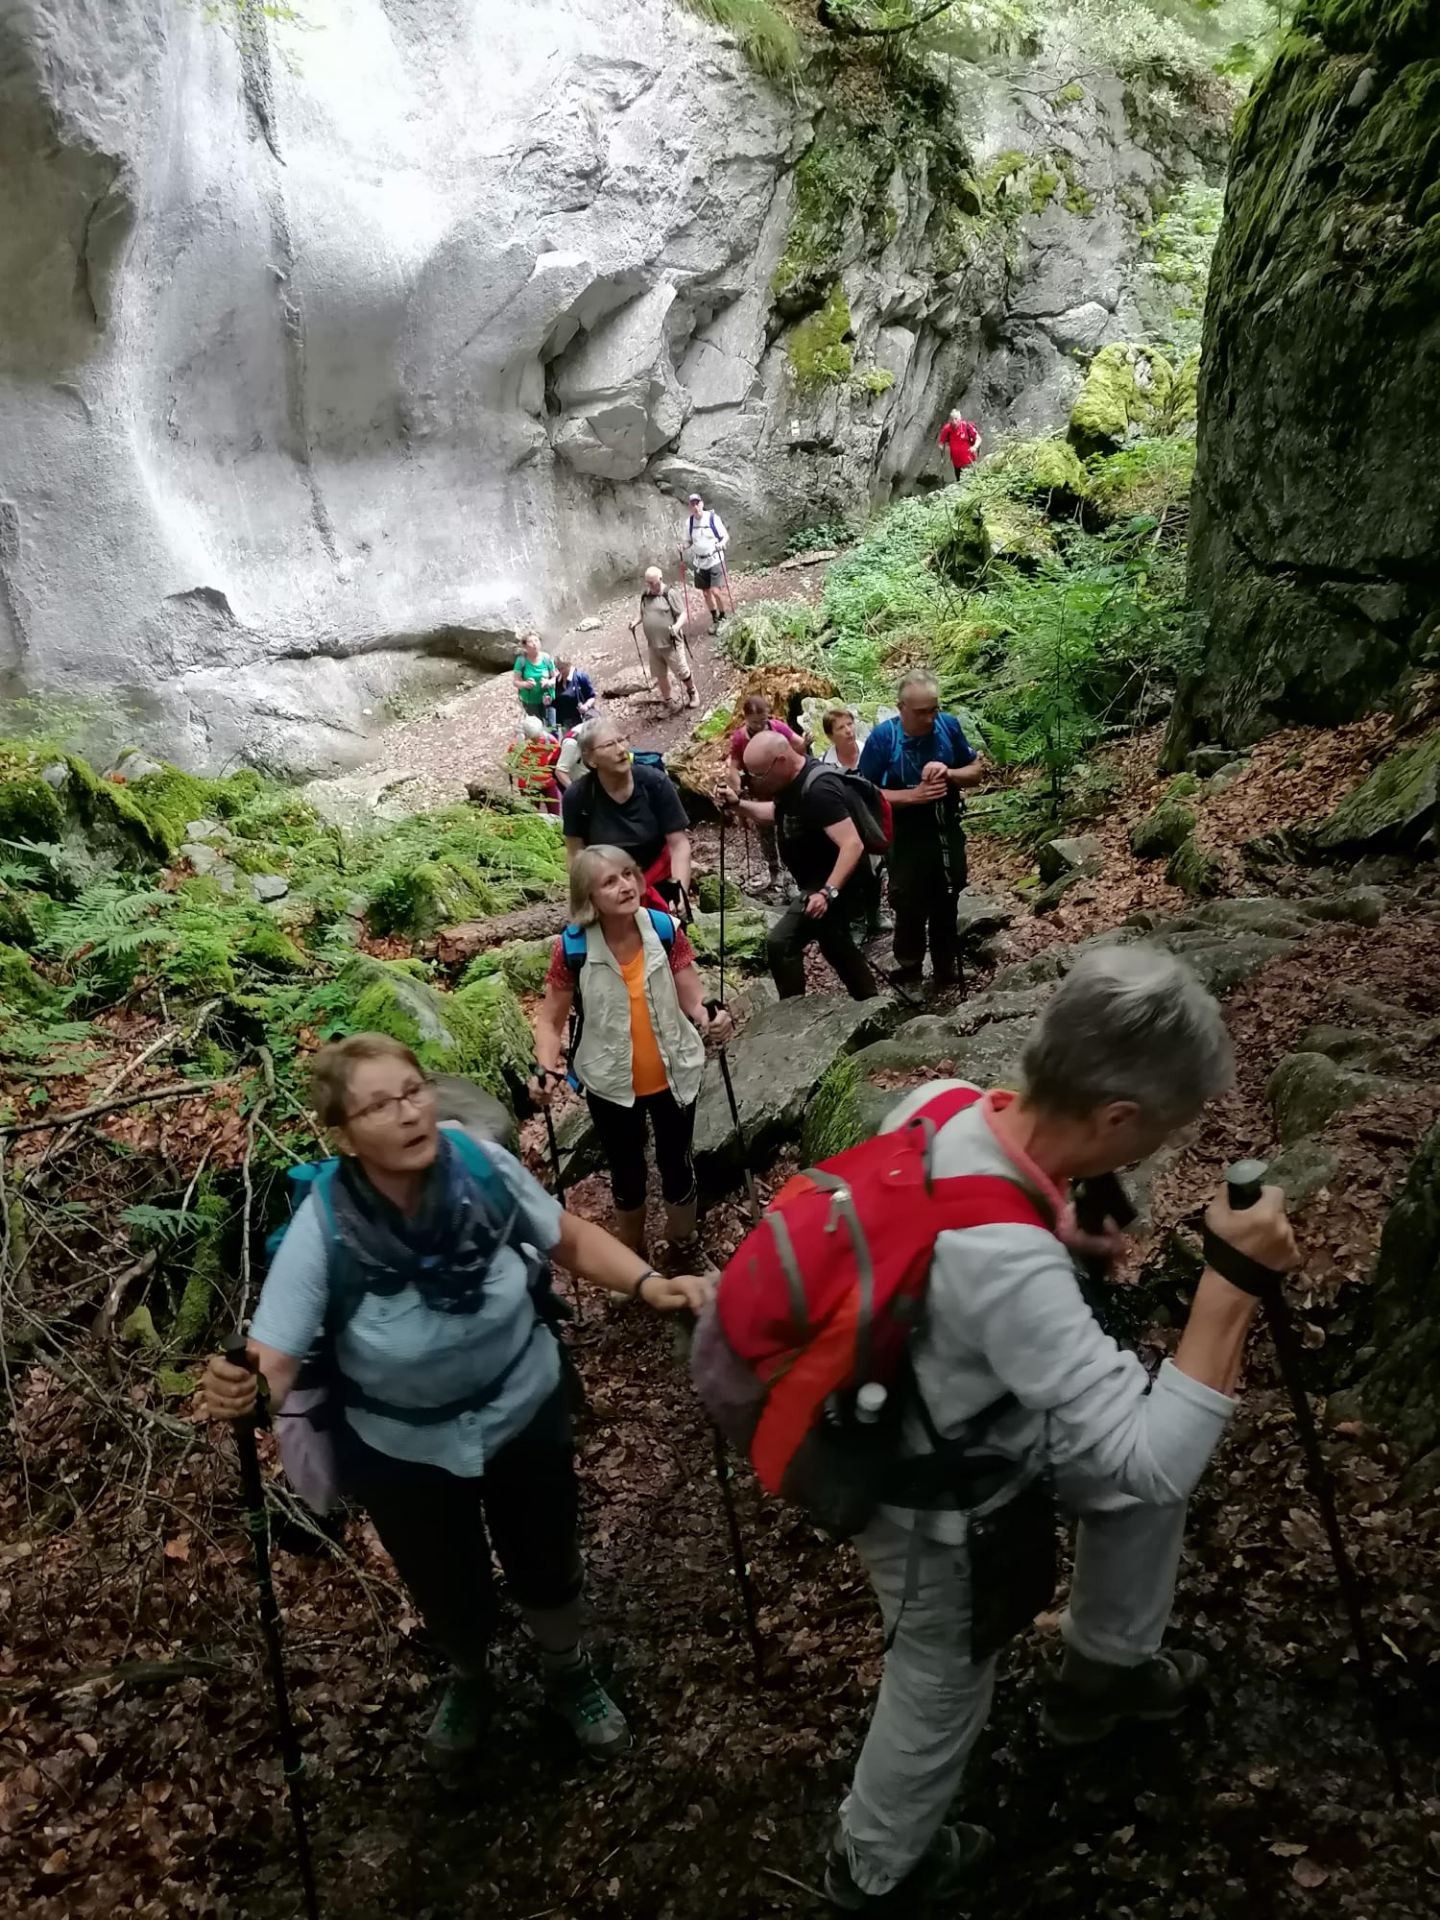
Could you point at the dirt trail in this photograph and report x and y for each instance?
(467, 737)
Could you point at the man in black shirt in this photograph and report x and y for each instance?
(821, 846)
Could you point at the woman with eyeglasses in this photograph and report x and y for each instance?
(413, 1260)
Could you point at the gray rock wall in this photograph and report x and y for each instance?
(331, 358)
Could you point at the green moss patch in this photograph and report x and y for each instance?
(820, 347)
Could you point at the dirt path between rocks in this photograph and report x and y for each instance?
(466, 738)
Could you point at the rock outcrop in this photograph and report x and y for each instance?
(1317, 502)
(331, 357)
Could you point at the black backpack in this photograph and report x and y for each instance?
(868, 806)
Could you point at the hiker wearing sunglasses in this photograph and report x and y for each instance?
(411, 1265)
(635, 1040)
(1020, 1398)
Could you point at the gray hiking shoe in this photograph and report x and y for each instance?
(460, 1721)
(592, 1716)
(1090, 1699)
(950, 1863)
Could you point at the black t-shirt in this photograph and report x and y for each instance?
(812, 802)
(639, 826)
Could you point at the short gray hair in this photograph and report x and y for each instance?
(585, 872)
(593, 731)
(1129, 1023)
(916, 677)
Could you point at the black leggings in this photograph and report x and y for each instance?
(439, 1528)
(621, 1131)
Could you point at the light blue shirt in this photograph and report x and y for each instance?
(398, 1349)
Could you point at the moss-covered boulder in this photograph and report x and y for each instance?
(521, 964)
(1396, 807)
(1313, 553)
(821, 346)
(1308, 1090)
(479, 1031)
(1194, 868)
(964, 548)
(22, 988)
(707, 890)
(1047, 470)
(1128, 391)
(745, 932)
(1162, 831)
(419, 900)
(1401, 1365)
(29, 806)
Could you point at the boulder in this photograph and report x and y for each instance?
(467, 1103)
(707, 893)
(776, 1063)
(521, 964)
(745, 933)
(479, 1032)
(1396, 807)
(979, 917)
(1129, 390)
(1048, 898)
(1308, 1090)
(1222, 960)
(1357, 1048)
(1081, 853)
(1279, 919)
(1360, 906)
(1194, 868)
(1162, 831)
(1207, 760)
(1398, 1389)
(269, 886)
(1303, 1169)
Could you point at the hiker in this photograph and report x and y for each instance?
(662, 620)
(616, 803)
(531, 764)
(636, 1049)
(575, 696)
(844, 738)
(455, 1434)
(568, 764)
(923, 762)
(825, 854)
(705, 544)
(535, 680)
(1015, 1381)
(961, 440)
(757, 719)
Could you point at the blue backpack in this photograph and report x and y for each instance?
(572, 942)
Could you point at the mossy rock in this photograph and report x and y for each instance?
(170, 799)
(521, 964)
(745, 932)
(107, 819)
(23, 917)
(206, 1284)
(1394, 807)
(1194, 869)
(1017, 532)
(270, 948)
(29, 806)
(964, 548)
(480, 1031)
(22, 989)
(1309, 1090)
(1041, 470)
(820, 347)
(1163, 831)
(707, 892)
(1129, 390)
(1183, 787)
(419, 900)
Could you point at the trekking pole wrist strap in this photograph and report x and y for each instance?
(1239, 1269)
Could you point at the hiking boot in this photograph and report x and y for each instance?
(582, 1703)
(459, 1722)
(881, 924)
(1090, 1698)
(948, 1864)
(692, 698)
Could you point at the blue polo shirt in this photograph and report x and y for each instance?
(397, 1349)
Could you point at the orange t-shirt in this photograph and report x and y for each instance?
(647, 1069)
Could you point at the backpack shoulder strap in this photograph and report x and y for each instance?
(664, 927)
(572, 944)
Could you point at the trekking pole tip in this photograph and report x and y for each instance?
(1245, 1181)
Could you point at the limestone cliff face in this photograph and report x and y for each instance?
(1316, 516)
(331, 358)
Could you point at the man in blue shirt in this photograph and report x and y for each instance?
(923, 761)
(574, 695)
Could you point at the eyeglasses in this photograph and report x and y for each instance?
(419, 1096)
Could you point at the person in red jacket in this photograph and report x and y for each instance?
(961, 440)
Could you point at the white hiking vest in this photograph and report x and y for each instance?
(602, 1061)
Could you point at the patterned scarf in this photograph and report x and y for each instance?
(444, 1251)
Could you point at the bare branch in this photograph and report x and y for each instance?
(178, 1092)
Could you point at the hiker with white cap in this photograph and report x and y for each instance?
(705, 544)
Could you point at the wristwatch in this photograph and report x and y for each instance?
(832, 894)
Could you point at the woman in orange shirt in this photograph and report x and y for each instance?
(635, 1048)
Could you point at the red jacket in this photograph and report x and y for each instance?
(958, 439)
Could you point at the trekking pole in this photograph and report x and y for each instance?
(1244, 1182)
(560, 1196)
(725, 575)
(737, 1555)
(752, 1198)
(685, 589)
(640, 658)
(253, 1492)
(722, 906)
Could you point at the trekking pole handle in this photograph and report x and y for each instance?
(1245, 1182)
(237, 1352)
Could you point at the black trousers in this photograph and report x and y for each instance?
(793, 932)
(927, 876)
(440, 1529)
(621, 1131)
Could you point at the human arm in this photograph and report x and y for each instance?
(962, 767)
(761, 810)
(552, 1021)
(879, 758)
(849, 852)
(690, 991)
(287, 1323)
(594, 1255)
(679, 846)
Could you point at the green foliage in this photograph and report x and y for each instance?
(819, 346)
(1181, 246)
(441, 868)
(873, 381)
(824, 533)
(766, 37)
(836, 177)
(1130, 391)
(521, 964)
(1149, 478)
(29, 808)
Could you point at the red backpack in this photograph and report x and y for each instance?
(821, 1299)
